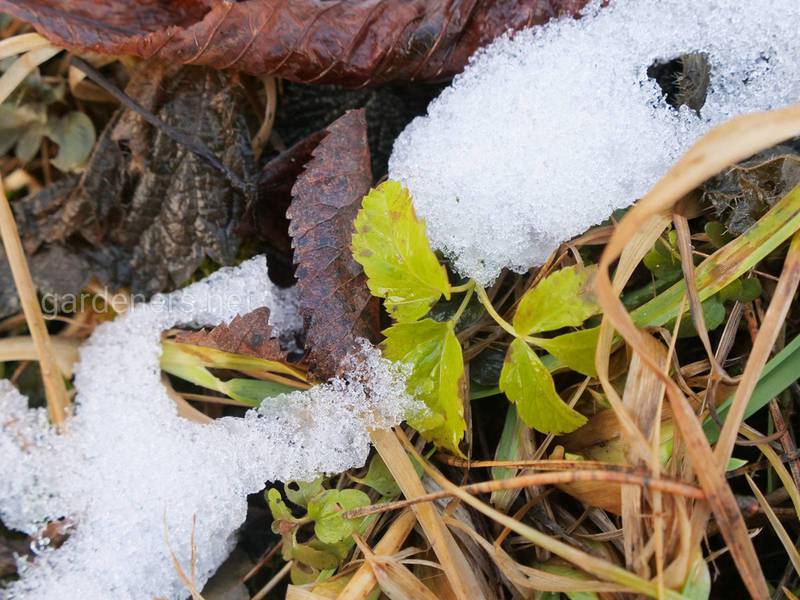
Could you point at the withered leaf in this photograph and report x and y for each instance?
(146, 212)
(264, 217)
(304, 109)
(250, 334)
(353, 43)
(334, 299)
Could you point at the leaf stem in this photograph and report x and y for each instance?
(455, 289)
(470, 289)
(487, 304)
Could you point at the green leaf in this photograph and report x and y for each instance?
(698, 583)
(379, 478)
(779, 373)
(253, 391)
(663, 260)
(575, 349)
(717, 234)
(529, 385)
(562, 299)
(437, 377)
(326, 511)
(75, 135)
(278, 508)
(303, 492)
(318, 559)
(29, 142)
(741, 290)
(390, 243)
(713, 315)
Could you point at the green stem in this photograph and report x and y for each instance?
(487, 304)
(456, 289)
(470, 289)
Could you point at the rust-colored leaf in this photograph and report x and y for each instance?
(250, 334)
(355, 42)
(334, 299)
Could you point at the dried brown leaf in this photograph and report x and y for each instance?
(354, 43)
(334, 299)
(250, 334)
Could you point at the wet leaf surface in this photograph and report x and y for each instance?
(334, 299)
(353, 43)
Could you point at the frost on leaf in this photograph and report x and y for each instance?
(437, 377)
(549, 130)
(129, 471)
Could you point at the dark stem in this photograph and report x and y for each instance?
(193, 144)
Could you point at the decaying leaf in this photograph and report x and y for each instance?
(334, 299)
(354, 43)
(264, 216)
(146, 212)
(304, 109)
(250, 334)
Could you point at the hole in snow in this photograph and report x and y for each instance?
(684, 79)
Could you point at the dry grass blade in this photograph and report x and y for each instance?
(614, 478)
(762, 346)
(591, 564)
(22, 67)
(723, 146)
(529, 578)
(24, 42)
(272, 583)
(363, 580)
(65, 351)
(459, 573)
(54, 388)
(394, 578)
(642, 397)
(640, 243)
(777, 464)
(780, 530)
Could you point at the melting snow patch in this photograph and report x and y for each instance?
(129, 471)
(548, 131)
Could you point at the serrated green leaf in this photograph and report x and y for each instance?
(326, 511)
(390, 243)
(529, 385)
(575, 349)
(741, 290)
(717, 234)
(437, 377)
(379, 478)
(303, 492)
(562, 299)
(75, 135)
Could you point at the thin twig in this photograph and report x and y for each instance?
(54, 388)
(193, 144)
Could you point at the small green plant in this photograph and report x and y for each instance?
(391, 245)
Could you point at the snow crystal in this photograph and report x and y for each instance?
(548, 131)
(129, 473)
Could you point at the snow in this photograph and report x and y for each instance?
(548, 131)
(130, 474)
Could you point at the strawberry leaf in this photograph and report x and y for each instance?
(390, 243)
(437, 377)
(529, 385)
(562, 299)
